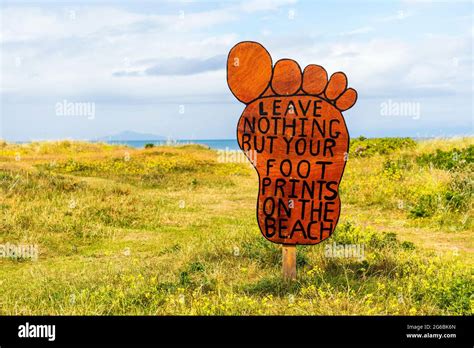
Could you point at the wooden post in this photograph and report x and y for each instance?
(267, 90)
(289, 262)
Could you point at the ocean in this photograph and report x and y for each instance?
(218, 144)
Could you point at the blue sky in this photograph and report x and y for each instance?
(159, 67)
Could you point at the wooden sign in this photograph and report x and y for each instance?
(293, 131)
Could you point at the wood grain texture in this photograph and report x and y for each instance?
(347, 99)
(315, 79)
(293, 131)
(276, 146)
(286, 77)
(289, 262)
(336, 86)
(249, 70)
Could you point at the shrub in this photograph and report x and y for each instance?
(393, 169)
(449, 160)
(363, 147)
(460, 192)
(426, 206)
(348, 233)
(456, 198)
(457, 296)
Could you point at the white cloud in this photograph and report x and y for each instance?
(264, 5)
(389, 66)
(60, 55)
(399, 16)
(49, 53)
(61, 50)
(362, 30)
(35, 23)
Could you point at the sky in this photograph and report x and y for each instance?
(83, 70)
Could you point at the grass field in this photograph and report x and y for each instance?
(170, 230)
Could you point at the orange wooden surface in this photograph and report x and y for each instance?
(294, 132)
(249, 70)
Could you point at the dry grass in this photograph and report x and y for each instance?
(169, 230)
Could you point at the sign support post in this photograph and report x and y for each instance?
(293, 123)
(289, 262)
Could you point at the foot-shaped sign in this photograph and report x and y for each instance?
(293, 131)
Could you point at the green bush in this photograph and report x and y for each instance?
(426, 206)
(363, 147)
(348, 233)
(457, 296)
(449, 160)
(460, 192)
(394, 169)
(455, 199)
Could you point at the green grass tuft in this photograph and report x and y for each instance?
(169, 230)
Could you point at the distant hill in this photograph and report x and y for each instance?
(130, 135)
